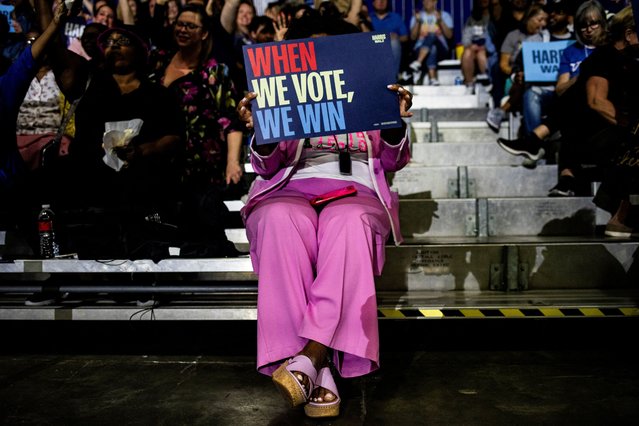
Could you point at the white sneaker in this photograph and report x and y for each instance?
(415, 66)
(417, 75)
(434, 82)
(404, 76)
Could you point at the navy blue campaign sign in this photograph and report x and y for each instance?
(321, 86)
(541, 60)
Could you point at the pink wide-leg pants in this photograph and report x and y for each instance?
(316, 277)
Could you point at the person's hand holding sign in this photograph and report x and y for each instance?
(405, 99)
(244, 109)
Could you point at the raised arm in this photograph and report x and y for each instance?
(50, 24)
(353, 12)
(229, 12)
(71, 70)
(126, 14)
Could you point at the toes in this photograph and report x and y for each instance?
(323, 395)
(300, 377)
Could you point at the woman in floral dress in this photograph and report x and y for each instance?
(212, 159)
(207, 97)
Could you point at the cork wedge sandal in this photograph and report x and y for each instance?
(290, 384)
(324, 409)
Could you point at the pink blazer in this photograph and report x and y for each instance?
(275, 170)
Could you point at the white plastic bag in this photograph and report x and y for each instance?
(118, 134)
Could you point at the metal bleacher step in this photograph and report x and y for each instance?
(416, 304)
(531, 216)
(501, 217)
(488, 216)
(438, 278)
(443, 90)
(482, 240)
(474, 181)
(511, 264)
(462, 154)
(447, 114)
(456, 131)
(445, 101)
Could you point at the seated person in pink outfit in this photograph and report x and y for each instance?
(316, 265)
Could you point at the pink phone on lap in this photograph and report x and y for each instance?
(320, 200)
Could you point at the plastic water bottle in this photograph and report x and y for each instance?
(48, 247)
(459, 80)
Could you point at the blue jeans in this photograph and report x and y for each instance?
(536, 102)
(430, 42)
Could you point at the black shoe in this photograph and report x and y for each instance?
(566, 187)
(529, 147)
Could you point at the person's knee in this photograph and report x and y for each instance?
(276, 213)
(352, 217)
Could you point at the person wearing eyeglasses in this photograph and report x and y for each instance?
(598, 117)
(591, 32)
(605, 131)
(205, 92)
(119, 198)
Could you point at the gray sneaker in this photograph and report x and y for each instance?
(494, 118)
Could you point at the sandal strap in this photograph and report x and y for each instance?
(304, 365)
(325, 380)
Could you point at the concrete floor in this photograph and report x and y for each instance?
(466, 372)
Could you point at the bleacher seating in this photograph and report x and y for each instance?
(482, 240)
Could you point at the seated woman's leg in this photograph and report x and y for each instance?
(342, 307)
(482, 60)
(468, 63)
(431, 63)
(536, 103)
(282, 231)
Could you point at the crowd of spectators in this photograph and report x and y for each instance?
(154, 84)
(178, 64)
(592, 110)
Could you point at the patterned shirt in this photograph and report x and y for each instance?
(207, 98)
(40, 110)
